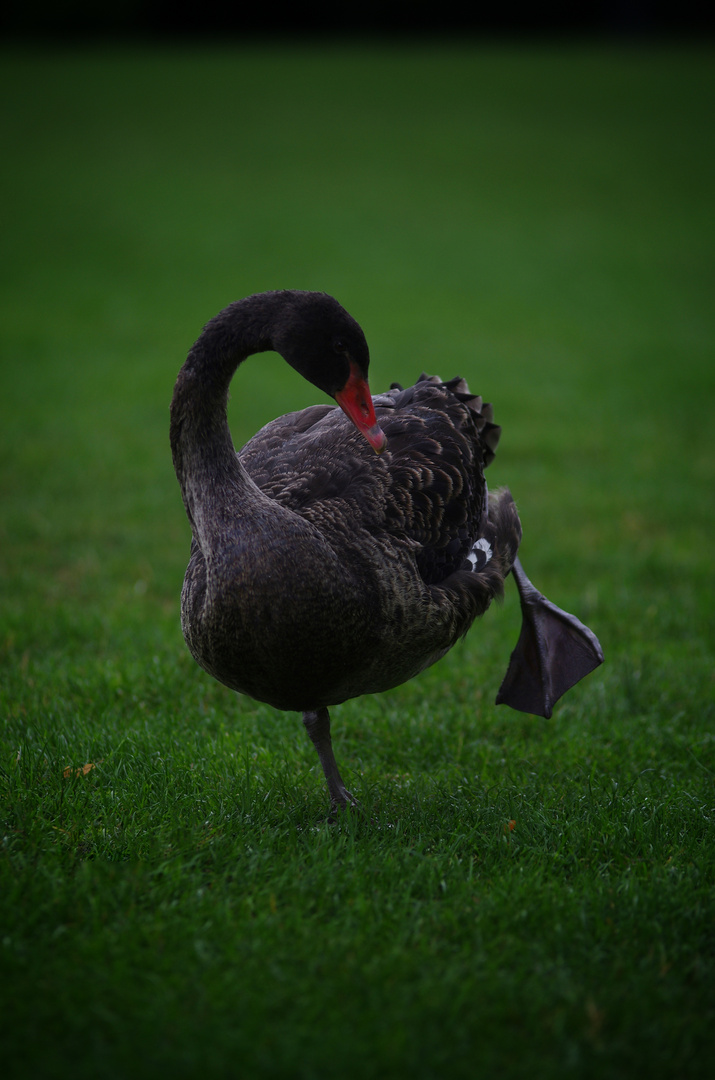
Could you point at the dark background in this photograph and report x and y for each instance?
(211, 18)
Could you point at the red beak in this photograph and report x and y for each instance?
(355, 401)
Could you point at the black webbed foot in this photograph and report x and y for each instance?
(554, 651)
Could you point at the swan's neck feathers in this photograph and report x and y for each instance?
(207, 468)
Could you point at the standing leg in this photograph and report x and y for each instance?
(317, 724)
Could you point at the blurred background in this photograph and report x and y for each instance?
(524, 202)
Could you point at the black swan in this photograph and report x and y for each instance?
(343, 550)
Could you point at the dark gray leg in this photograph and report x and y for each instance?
(317, 724)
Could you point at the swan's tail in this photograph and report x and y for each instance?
(483, 412)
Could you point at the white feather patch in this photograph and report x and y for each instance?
(480, 554)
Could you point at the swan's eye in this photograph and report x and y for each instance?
(339, 346)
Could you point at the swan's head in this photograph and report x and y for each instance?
(318, 338)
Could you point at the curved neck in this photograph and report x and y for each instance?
(204, 457)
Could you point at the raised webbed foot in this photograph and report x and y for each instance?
(554, 651)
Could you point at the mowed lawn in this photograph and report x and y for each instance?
(522, 897)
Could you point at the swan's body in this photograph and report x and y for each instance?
(320, 571)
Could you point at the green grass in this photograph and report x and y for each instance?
(523, 897)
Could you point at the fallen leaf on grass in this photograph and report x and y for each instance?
(69, 771)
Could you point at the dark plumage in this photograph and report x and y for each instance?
(320, 571)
